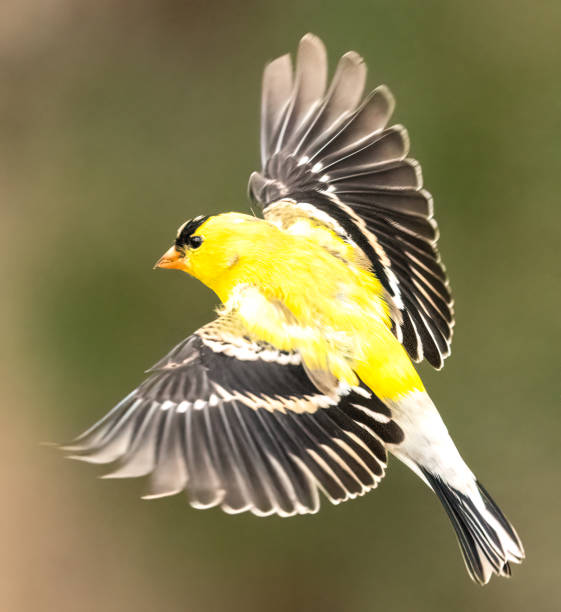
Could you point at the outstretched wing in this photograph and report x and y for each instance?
(240, 425)
(331, 157)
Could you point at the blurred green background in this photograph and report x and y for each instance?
(121, 119)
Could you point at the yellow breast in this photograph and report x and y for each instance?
(308, 290)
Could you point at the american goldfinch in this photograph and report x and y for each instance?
(305, 381)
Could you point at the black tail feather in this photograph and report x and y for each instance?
(487, 548)
(498, 515)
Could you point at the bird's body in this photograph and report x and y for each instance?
(296, 293)
(305, 380)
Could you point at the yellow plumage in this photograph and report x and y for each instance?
(299, 294)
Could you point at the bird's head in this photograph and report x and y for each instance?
(211, 248)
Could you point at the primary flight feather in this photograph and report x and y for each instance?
(305, 380)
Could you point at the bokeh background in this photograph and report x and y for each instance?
(121, 119)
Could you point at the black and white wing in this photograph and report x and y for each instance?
(331, 156)
(240, 425)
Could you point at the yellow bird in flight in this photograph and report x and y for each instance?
(305, 381)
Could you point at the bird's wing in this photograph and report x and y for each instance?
(331, 156)
(240, 424)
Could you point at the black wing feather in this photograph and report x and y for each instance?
(327, 150)
(241, 425)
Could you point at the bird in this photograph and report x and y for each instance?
(305, 381)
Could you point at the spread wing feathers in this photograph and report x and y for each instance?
(333, 156)
(241, 425)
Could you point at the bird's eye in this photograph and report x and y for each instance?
(195, 241)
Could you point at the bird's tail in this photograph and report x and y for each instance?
(487, 540)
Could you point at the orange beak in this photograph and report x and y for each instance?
(171, 259)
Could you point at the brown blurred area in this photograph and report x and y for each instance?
(121, 119)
